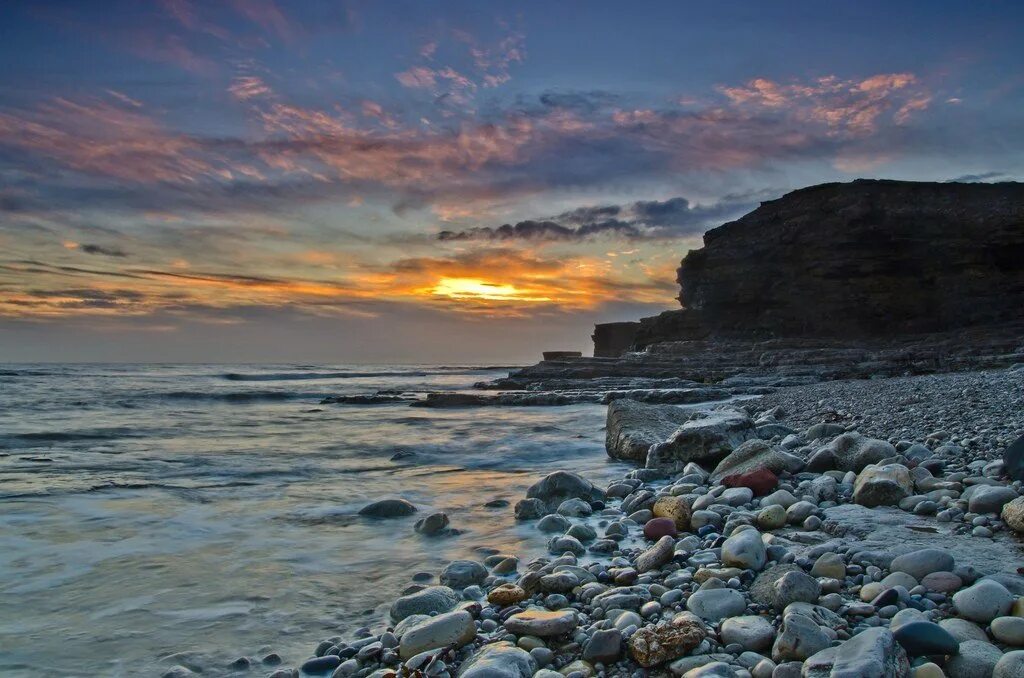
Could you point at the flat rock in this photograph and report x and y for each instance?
(451, 628)
(541, 623)
(752, 632)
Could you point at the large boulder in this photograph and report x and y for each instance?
(1013, 459)
(1013, 514)
(882, 485)
(853, 451)
(632, 427)
(708, 435)
(559, 486)
(756, 455)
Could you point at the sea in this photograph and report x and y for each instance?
(193, 515)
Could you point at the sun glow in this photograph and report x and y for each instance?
(475, 288)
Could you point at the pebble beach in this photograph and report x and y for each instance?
(861, 528)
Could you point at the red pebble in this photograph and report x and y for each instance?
(656, 528)
(762, 481)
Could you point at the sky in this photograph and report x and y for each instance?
(422, 182)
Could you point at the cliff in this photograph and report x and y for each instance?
(865, 259)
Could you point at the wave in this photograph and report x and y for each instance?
(236, 396)
(411, 372)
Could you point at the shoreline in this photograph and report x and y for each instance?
(673, 572)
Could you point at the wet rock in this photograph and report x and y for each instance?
(499, 660)
(506, 594)
(604, 647)
(656, 556)
(707, 434)
(667, 640)
(431, 600)
(559, 486)
(745, 550)
(459, 574)
(756, 455)
(432, 525)
(872, 653)
(716, 604)
(882, 485)
(751, 632)
(632, 427)
(676, 508)
(798, 639)
(541, 623)
(921, 638)
(451, 628)
(554, 523)
(388, 508)
(321, 664)
(656, 528)
(759, 482)
(530, 509)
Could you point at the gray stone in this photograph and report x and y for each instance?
(977, 659)
(451, 628)
(923, 562)
(431, 600)
(656, 556)
(556, 487)
(853, 452)
(749, 631)
(716, 604)
(707, 434)
(432, 525)
(388, 508)
(459, 574)
(605, 646)
(872, 653)
(990, 499)
(554, 523)
(1009, 630)
(963, 630)
(499, 660)
(983, 602)
(529, 509)
(541, 623)
(745, 550)
(795, 587)
(632, 427)
(754, 455)
(798, 639)
(1011, 665)
(882, 485)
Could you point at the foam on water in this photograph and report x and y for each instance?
(138, 523)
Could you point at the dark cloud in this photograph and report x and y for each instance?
(103, 250)
(644, 219)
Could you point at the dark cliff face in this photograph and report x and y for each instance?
(867, 258)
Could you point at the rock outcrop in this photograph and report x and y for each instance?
(862, 259)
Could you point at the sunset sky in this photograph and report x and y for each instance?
(251, 180)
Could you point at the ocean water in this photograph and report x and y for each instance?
(194, 514)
